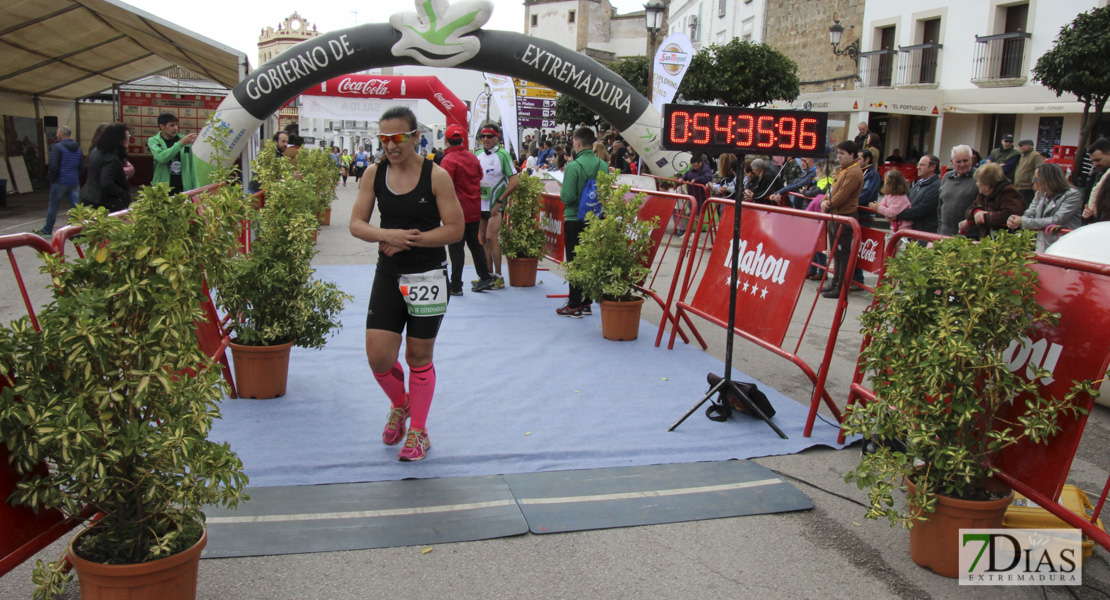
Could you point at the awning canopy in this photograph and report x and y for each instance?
(77, 48)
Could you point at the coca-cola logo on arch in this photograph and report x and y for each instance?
(369, 87)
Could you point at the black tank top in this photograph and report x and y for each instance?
(415, 210)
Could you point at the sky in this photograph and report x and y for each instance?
(237, 24)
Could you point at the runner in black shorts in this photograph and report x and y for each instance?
(420, 215)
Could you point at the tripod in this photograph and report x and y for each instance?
(725, 387)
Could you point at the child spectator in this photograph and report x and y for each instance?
(895, 199)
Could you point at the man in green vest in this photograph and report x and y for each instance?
(173, 156)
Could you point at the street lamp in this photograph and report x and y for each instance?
(851, 50)
(653, 15)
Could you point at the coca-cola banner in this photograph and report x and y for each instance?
(871, 245)
(350, 109)
(775, 252)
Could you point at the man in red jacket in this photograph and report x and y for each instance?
(466, 172)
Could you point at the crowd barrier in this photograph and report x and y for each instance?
(1076, 349)
(776, 248)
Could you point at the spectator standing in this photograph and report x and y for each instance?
(584, 167)
(107, 183)
(1056, 205)
(466, 173)
(842, 200)
(1098, 207)
(924, 196)
(957, 192)
(863, 137)
(64, 174)
(173, 156)
(1005, 156)
(499, 179)
(1026, 167)
(809, 175)
(726, 177)
(996, 202)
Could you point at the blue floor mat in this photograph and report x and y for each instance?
(519, 390)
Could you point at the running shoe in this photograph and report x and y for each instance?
(574, 312)
(416, 446)
(483, 285)
(586, 312)
(41, 232)
(498, 283)
(456, 289)
(395, 425)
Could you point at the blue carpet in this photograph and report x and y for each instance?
(519, 390)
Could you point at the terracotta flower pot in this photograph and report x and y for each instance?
(261, 371)
(522, 271)
(620, 321)
(935, 543)
(170, 578)
(324, 218)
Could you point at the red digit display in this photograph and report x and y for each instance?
(739, 129)
(769, 140)
(807, 139)
(747, 130)
(679, 133)
(701, 125)
(788, 127)
(725, 129)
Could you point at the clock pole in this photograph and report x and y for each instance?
(725, 389)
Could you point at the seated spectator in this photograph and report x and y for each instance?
(895, 158)
(1056, 205)
(895, 192)
(761, 183)
(997, 201)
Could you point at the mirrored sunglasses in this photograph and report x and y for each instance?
(398, 138)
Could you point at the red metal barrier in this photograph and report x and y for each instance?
(1076, 349)
(776, 247)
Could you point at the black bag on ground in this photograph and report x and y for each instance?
(740, 396)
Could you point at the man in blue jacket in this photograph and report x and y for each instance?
(63, 173)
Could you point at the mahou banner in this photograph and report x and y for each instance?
(775, 252)
(671, 61)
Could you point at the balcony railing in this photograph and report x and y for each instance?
(877, 67)
(1001, 60)
(917, 65)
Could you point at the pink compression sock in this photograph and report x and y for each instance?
(422, 384)
(393, 384)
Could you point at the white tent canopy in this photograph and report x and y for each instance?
(69, 49)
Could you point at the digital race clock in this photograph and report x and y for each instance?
(700, 129)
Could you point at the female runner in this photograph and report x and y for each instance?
(420, 215)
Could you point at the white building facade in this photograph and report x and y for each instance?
(591, 27)
(936, 74)
(717, 21)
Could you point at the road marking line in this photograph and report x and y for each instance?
(361, 514)
(652, 493)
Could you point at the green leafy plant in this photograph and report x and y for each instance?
(114, 396)
(941, 322)
(317, 169)
(612, 251)
(270, 293)
(521, 233)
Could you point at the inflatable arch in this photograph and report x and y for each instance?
(423, 87)
(440, 34)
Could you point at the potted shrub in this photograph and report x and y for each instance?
(116, 399)
(521, 234)
(270, 294)
(941, 321)
(317, 168)
(610, 260)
